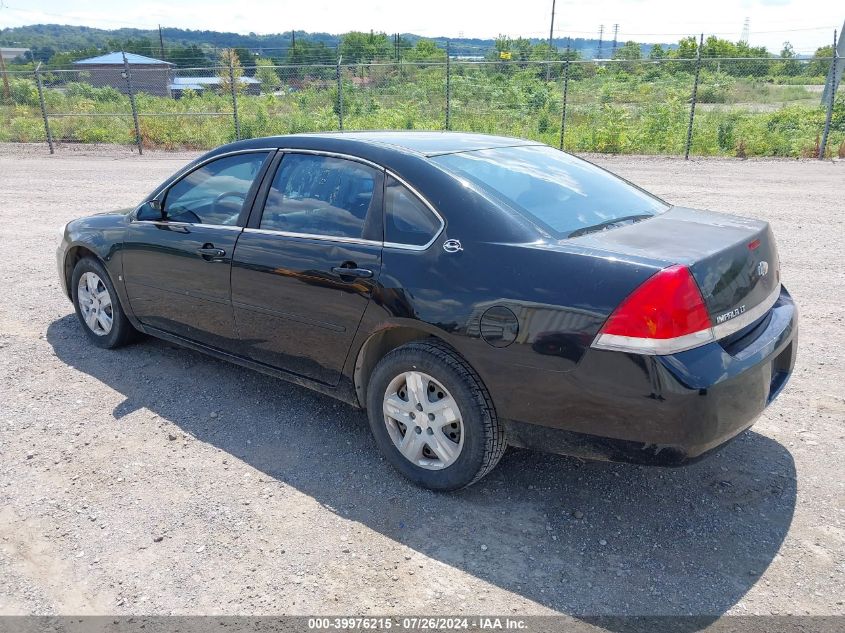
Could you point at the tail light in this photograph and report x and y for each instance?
(665, 315)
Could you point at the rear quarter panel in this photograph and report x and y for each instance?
(560, 298)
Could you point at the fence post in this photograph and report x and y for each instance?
(448, 88)
(43, 107)
(565, 94)
(128, 76)
(339, 93)
(7, 93)
(234, 91)
(694, 96)
(831, 99)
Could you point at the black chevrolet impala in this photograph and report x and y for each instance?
(469, 291)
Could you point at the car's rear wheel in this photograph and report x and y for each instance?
(432, 417)
(98, 307)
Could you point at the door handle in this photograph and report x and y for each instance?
(358, 273)
(209, 251)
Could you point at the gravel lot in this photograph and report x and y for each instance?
(155, 480)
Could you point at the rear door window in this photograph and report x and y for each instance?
(324, 196)
(407, 219)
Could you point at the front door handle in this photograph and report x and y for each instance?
(358, 273)
(209, 252)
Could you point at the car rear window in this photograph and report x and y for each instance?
(562, 194)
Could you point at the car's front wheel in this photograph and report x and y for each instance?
(432, 417)
(98, 307)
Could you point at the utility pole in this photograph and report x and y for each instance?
(293, 41)
(161, 41)
(615, 33)
(601, 36)
(551, 35)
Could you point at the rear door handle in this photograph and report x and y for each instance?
(210, 251)
(360, 273)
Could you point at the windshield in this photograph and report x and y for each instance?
(564, 195)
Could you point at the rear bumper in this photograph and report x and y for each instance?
(665, 410)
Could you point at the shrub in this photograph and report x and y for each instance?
(24, 92)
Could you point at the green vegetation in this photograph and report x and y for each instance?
(636, 103)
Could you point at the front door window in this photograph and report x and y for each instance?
(215, 193)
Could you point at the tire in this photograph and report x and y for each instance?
(96, 282)
(453, 392)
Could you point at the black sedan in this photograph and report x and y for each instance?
(471, 292)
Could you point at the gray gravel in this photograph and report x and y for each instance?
(156, 480)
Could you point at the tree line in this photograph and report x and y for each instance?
(59, 46)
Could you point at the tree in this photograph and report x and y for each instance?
(542, 52)
(139, 46)
(657, 52)
(267, 75)
(790, 66)
(503, 53)
(820, 64)
(630, 53)
(228, 57)
(426, 50)
(186, 56)
(245, 56)
(357, 47)
(309, 52)
(629, 50)
(716, 47)
(576, 71)
(64, 60)
(687, 48)
(522, 50)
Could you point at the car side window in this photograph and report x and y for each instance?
(214, 193)
(407, 220)
(323, 195)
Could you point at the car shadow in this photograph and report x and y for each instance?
(585, 539)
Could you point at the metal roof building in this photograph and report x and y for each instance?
(198, 84)
(148, 74)
(116, 59)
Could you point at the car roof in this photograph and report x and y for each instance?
(422, 143)
(433, 143)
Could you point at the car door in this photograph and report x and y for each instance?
(176, 268)
(306, 265)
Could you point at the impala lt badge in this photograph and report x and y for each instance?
(727, 316)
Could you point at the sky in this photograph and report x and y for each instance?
(807, 24)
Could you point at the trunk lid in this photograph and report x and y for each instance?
(733, 260)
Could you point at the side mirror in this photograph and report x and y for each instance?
(151, 211)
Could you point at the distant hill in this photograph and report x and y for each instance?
(46, 40)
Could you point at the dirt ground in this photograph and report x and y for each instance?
(155, 480)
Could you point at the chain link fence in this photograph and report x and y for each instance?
(736, 107)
